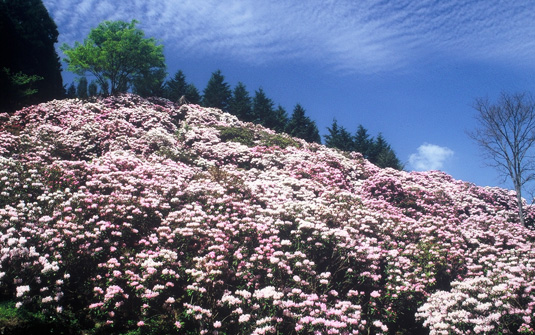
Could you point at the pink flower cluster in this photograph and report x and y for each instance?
(137, 213)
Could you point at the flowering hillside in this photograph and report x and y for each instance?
(131, 216)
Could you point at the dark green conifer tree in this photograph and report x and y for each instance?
(92, 89)
(176, 87)
(28, 35)
(263, 109)
(281, 118)
(150, 83)
(240, 103)
(192, 94)
(217, 92)
(71, 91)
(302, 126)
(339, 138)
(81, 89)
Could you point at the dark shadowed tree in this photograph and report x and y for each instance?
(362, 142)
(71, 91)
(302, 126)
(281, 119)
(240, 103)
(382, 154)
(217, 92)
(263, 109)
(338, 137)
(193, 95)
(150, 83)
(92, 89)
(81, 89)
(28, 61)
(116, 53)
(176, 87)
(506, 133)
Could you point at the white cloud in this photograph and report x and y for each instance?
(354, 36)
(430, 157)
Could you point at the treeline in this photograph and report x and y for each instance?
(261, 110)
(30, 73)
(257, 108)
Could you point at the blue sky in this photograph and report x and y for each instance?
(408, 69)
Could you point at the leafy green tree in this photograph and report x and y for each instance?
(28, 61)
(217, 92)
(240, 103)
(81, 89)
(92, 89)
(302, 126)
(338, 137)
(116, 53)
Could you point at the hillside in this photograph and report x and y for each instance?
(130, 216)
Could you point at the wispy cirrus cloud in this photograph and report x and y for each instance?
(355, 36)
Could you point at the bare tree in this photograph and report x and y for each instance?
(506, 134)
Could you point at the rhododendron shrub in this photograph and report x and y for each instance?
(140, 216)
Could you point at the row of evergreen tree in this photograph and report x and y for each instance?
(261, 110)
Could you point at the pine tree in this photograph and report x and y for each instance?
(240, 103)
(217, 92)
(150, 82)
(28, 35)
(302, 126)
(362, 142)
(176, 87)
(339, 138)
(92, 89)
(192, 94)
(281, 119)
(71, 91)
(81, 89)
(263, 109)
(382, 155)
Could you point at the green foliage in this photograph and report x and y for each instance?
(177, 87)
(339, 138)
(281, 118)
(92, 89)
(240, 104)
(21, 321)
(377, 151)
(81, 89)
(19, 84)
(244, 136)
(217, 92)
(71, 91)
(280, 140)
(118, 55)
(263, 109)
(150, 83)
(302, 126)
(30, 71)
(193, 95)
